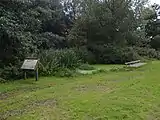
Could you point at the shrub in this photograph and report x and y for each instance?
(2, 80)
(52, 61)
(148, 52)
(113, 55)
(11, 72)
(129, 54)
(64, 72)
(67, 58)
(85, 55)
(155, 42)
(86, 67)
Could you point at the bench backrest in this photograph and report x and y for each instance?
(133, 62)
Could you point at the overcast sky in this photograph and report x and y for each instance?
(155, 1)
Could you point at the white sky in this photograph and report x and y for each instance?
(155, 1)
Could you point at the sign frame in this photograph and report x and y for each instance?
(30, 64)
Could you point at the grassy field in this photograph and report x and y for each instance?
(130, 95)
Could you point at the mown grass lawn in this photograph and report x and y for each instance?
(132, 95)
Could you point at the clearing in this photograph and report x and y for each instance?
(129, 95)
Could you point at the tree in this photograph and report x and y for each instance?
(108, 21)
(153, 24)
(108, 25)
(152, 27)
(28, 26)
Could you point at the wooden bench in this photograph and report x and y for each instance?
(132, 62)
(136, 63)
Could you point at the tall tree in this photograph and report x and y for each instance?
(109, 21)
(153, 24)
(24, 26)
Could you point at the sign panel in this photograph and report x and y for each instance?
(29, 64)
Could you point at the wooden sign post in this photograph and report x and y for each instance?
(36, 72)
(30, 64)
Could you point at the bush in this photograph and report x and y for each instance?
(113, 55)
(129, 54)
(64, 72)
(155, 42)
(86, 67)
(148, 52)
(11, 72)
(52, 61)
(2, 80)
(85, 55)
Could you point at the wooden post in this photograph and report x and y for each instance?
(25, 75)
(36, 72)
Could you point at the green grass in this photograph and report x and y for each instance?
(132, 95)
(107, 67)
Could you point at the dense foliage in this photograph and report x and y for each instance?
(54, 61)
(26, 28)
(64, 34)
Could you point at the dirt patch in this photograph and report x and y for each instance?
(150, 117)
(16, 92)
(6, 95)
(4, 116)
(80, 88)
(48, 103)
(96, 87)
(128, 78)
(16, 112)
(19, 91)
(154, 114)
(101, 87)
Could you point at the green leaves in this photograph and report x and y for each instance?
(54, 61)
(104, 23)
(28, 26)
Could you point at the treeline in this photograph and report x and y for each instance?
(65, 34)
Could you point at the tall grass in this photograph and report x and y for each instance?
(54, 61)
